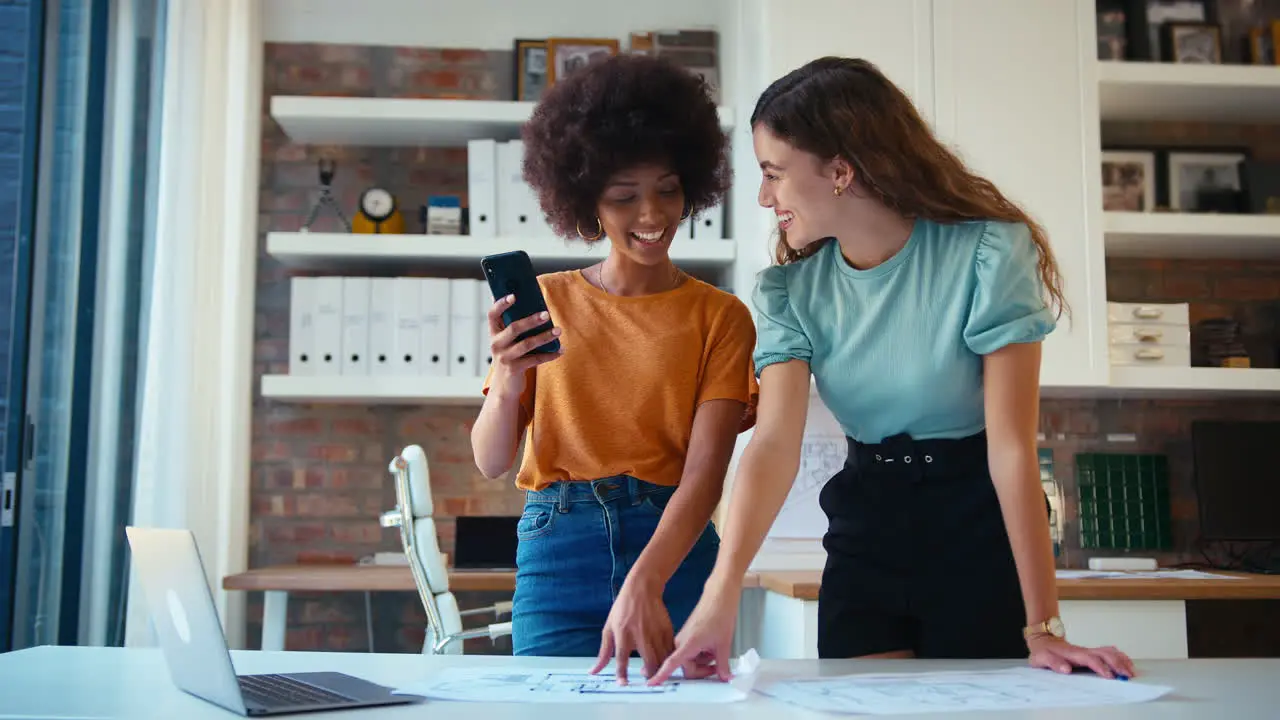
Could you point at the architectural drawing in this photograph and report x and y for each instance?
(1016, 688)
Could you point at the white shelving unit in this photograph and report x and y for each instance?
(368, 390)
(1152, 91)
(404, 122)
(339, 251)
(1171, 91)
(1192, 235)
(1194, 382)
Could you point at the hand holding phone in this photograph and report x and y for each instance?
(520, 328)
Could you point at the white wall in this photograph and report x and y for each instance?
(483, 24)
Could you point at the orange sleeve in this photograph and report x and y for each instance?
(728, 371)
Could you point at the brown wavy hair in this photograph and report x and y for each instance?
(845, 107)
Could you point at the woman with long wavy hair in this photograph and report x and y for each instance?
(917, 296)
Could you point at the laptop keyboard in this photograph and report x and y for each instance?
(273, 691)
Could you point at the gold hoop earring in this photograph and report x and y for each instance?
(839, 190)
(597, 236)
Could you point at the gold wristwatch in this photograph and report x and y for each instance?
(1053, 626)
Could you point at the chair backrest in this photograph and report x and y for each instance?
(418, 535)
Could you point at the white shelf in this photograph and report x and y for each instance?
(404, 122)
(342, 251)
(1192, 235)
(1193, 382)
(345, 389)
(1172, 91)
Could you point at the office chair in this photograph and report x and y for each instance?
(413, 515)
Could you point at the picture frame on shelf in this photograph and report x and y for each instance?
(1191, 42)
(1205, 181)
(530, 75)
(1128, 180)
(1113, 29)
(1144, 21)
(567, 55)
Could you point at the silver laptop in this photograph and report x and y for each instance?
(195, 649)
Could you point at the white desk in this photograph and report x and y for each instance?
(75, 682)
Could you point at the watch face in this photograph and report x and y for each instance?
(1056, 627)
(377, 203)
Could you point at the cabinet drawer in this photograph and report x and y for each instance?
(1148, 333)
(1148, 313)
(1150, 354)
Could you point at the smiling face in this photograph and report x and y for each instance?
(799, 188)
(640, 210)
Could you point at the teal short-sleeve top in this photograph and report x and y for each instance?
(898, 348)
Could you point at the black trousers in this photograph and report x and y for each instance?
(917, 555)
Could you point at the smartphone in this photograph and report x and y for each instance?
(511, 273)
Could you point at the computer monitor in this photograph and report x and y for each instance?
(1237, 480)
(485, 542)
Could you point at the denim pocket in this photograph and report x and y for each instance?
(535, 521)
(656, 501)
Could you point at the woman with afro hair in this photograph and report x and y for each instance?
(629, 428)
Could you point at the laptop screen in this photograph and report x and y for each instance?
(485, 543)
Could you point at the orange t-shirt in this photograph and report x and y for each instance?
(621, 399)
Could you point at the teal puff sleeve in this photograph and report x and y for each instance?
(1008, 304)
(779, 335)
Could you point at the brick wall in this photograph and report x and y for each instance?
(13, 63)
(320, 472)
(320, 477)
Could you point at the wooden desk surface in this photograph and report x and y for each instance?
(800, 584)
(803, 584)
(358, 578)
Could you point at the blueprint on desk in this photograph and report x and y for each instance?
(930, 692)
(532, 684)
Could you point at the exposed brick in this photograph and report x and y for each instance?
(334, 452)
(1185, 286)
(1246, 288)
(358, 427)
(326, 505)
(365, 533)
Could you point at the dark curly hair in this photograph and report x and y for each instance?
(617, 113)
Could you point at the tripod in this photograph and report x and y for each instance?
(327, 170)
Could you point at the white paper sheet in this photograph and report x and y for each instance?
(535, 685)
(1141, 575)
(902, 693)
(822, 454)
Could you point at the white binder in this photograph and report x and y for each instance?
(482, 188)
(408, 326)
(463, 325)
(518, 211)
(382, 334)
(301, 326)
(710, 224)
(328, 325)
(484, 354)
(355, 326)
(434, 326)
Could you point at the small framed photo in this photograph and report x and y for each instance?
(566, 56)
(1262, 48)
(1113, 40)
(1159, 13)
(1205, 181)
(1128, 180)
(1187, 42)
(530, 70)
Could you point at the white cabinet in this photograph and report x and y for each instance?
(1014, 94)
(1008, 85)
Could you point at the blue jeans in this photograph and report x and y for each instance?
(577, 542)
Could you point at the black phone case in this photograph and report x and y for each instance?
(511, 273)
